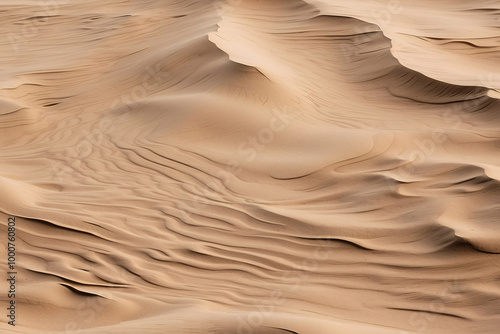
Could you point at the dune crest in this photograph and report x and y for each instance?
(241, 166)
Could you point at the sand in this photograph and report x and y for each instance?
(244, 166)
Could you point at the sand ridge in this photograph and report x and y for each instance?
(245, 166)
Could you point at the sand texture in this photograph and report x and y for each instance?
(251, 166)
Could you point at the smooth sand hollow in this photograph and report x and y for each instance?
(250, 167)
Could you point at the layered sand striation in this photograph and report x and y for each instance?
(263, 167)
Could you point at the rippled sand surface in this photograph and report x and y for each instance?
(238, 167)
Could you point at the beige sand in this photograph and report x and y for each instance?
(245, 166)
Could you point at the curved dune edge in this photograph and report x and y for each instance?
(221, 323)
(245, 166)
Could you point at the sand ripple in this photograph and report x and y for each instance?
(263, 167)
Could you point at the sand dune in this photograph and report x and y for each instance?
(265, 167)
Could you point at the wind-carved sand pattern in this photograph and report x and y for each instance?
(251, 167)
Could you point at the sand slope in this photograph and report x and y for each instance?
(245, 166)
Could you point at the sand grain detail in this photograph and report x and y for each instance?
(264, 167)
